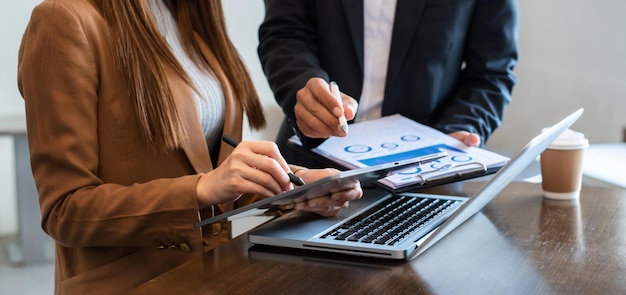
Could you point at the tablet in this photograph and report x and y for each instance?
(320, 187)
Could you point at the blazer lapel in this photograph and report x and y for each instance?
(195, 147)
(353, 10)
(407, 18)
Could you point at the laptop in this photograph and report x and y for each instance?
(397, 225)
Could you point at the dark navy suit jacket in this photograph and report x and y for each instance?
(451, 61)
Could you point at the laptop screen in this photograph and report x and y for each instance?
(499, 180)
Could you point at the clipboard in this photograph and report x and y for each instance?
(320, 187)
(396, 137)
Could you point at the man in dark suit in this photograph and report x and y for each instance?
(450, 64)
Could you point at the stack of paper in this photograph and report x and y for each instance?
(396, 137)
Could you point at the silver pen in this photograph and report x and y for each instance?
(343, 123)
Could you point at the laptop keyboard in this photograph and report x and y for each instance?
(391, 221)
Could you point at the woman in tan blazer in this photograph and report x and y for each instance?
(126, 102)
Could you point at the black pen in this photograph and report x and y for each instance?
(292, 177)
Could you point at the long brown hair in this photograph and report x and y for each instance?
(140, 50)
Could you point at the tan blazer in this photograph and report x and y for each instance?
(120, 213)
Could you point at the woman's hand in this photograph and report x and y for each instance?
(252, 167)
(338, 199)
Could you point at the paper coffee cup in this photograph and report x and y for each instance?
(561, 166)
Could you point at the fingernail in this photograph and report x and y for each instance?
(337, 112)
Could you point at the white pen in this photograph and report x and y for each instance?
(343, 123)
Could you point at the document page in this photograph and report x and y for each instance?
(396, 137)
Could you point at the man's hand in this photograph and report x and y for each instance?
(317, 110)
(469, 139)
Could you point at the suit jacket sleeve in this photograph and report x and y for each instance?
(484, 86)
(288, 53)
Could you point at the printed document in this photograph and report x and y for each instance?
(394, 138)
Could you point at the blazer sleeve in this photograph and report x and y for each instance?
(58, 76)
(484, 86)
(288, 53)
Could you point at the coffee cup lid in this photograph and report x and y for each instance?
(569, 140)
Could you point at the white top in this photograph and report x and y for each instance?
(378, 27)
(210, 99)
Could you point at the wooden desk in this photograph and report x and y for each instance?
(518, 244)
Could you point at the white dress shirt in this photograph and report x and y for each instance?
(378, 25)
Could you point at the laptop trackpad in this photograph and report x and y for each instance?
(304, 225)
